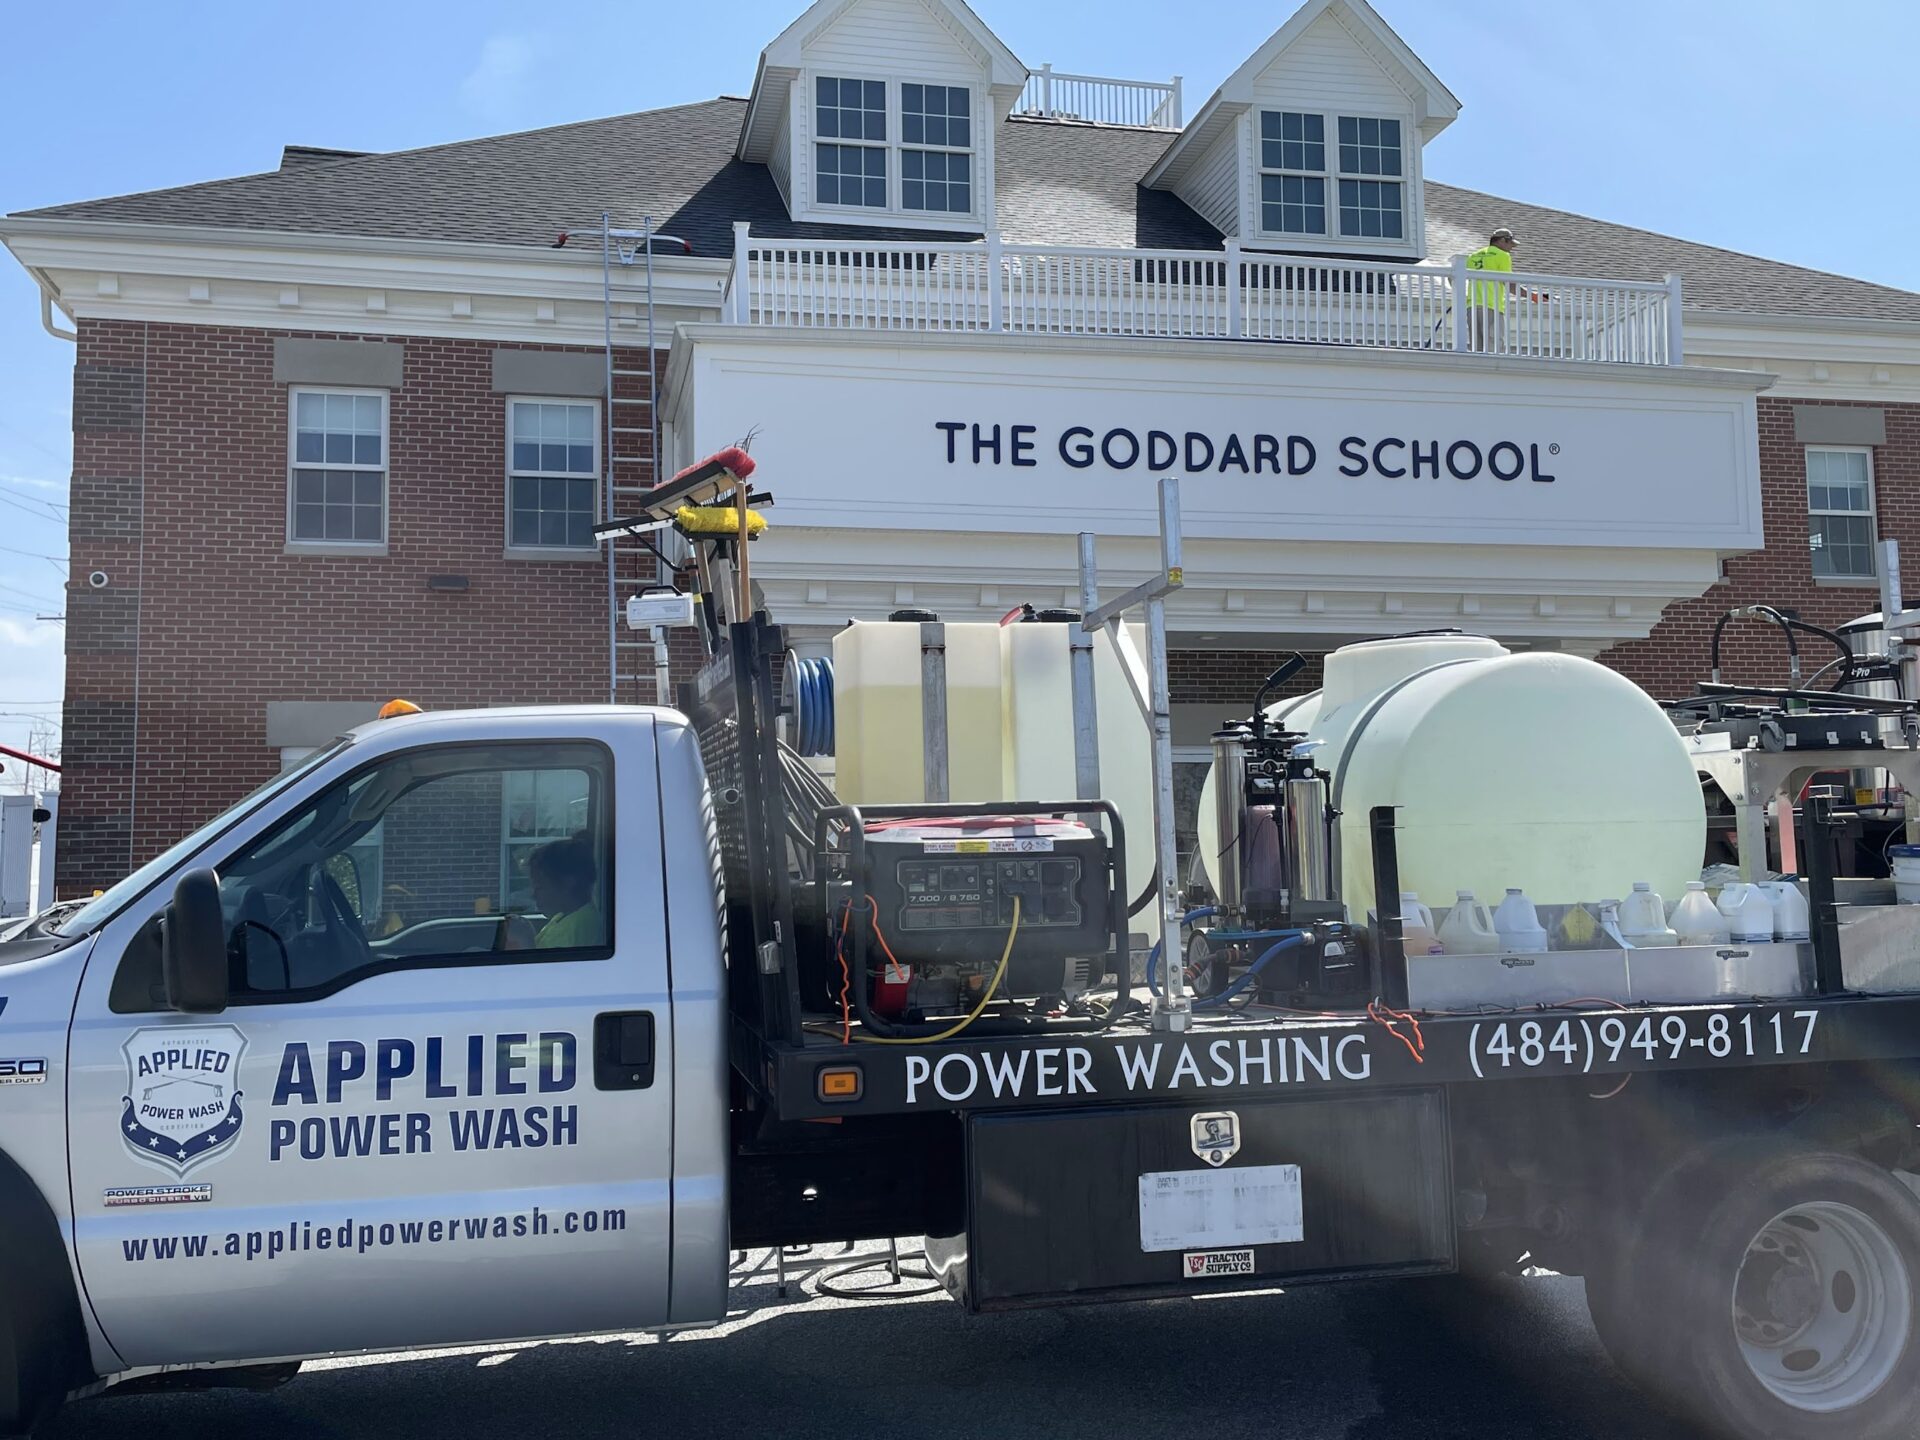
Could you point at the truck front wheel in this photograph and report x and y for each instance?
(1793, 1310)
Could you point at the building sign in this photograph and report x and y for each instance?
(1298, 443)
(1262, 453)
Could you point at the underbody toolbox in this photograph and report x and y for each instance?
(1139, 1200)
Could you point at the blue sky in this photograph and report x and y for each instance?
(1762, 125)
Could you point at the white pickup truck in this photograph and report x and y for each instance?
(510, 1023)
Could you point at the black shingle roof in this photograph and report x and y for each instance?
(1056, 183)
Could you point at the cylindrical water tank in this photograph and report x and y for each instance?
(1540, 771)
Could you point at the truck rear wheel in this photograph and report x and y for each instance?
(1791, 1310)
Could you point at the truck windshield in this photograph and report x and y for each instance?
(104, 906)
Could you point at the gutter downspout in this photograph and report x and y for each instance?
(46, 315)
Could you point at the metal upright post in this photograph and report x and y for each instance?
(1086, 713)
(1175, 1006)
(613, 547)
(933, 711)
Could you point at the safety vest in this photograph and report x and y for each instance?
(1485, 293)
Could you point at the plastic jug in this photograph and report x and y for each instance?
(1748, 912)
(1417, 935)
(1518, 925)
(1791, 918)
(1643, 918)
(1468, 928)
(1696, 920)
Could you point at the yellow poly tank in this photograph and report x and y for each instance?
(1540, 770)
(879, 753)
(1037, 734)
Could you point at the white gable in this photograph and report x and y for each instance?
(1328, 68)
(894, 37)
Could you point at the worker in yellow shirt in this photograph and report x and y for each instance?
(563, 876)
(1487, 299)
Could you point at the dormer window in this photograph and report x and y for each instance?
(850, 158)
(1370, 207)
(1367, 178)
(1293, 173)
(855, 152)
(936, 163)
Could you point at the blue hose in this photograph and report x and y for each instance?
(1287, 941)
(1153, 955)
(1250, 974)
(810, 693)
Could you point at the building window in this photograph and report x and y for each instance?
(940, 176)
(337, 493)
(854, 114)
(1293, 164)
(553, 462)
(1370, 208)
(1840, 512)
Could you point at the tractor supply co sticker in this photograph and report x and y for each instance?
(1206, 1264)
(23, 1072)
(1018, 845)
(1216, 1136)
(182, 1106)
(156, 1195)
(1217, 1209)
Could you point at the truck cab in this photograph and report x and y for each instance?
(441, 1052)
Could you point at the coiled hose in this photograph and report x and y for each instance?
(810, 694)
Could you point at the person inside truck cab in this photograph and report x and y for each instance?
(563, 876)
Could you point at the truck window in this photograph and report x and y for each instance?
(455, 855)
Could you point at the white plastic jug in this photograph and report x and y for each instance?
(1696, 920)
(1518, 925)
(1610, 924)
(1643, 918)
(1417, 935)
(1468, 928)
(1748, 912)
(1791, 918)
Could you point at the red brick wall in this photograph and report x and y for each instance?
(1673, 659)
(179, 495)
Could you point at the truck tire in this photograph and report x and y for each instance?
(43, 1341)
(1791, 1306)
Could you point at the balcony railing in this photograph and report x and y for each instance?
(1055, 95)
(991, 287)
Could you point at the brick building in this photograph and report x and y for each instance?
(341, 427)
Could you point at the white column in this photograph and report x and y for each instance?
(1676, 352)
(1462, 326)
(742, 301)
(996, 285)
(1235, 327)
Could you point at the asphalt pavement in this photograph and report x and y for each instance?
(1387, 1360)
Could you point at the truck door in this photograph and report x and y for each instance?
(438, 1105)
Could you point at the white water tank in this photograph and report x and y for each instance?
(1009, 723)
(1540, 771)
(879, 748)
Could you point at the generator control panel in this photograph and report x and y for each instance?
(941, 894)
(942, 891)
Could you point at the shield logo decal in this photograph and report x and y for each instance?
(1216, 1136)
(182, 1105)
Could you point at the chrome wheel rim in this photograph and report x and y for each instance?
(1822, 1307)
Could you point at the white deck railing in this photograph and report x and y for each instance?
(1230, 294)
(1056, 95)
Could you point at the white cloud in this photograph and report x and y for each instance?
(500, 78)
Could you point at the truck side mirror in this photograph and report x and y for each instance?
(193, 946)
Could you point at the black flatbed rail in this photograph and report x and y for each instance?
(1265, 1054)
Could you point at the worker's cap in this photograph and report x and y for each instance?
(1501, 234)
